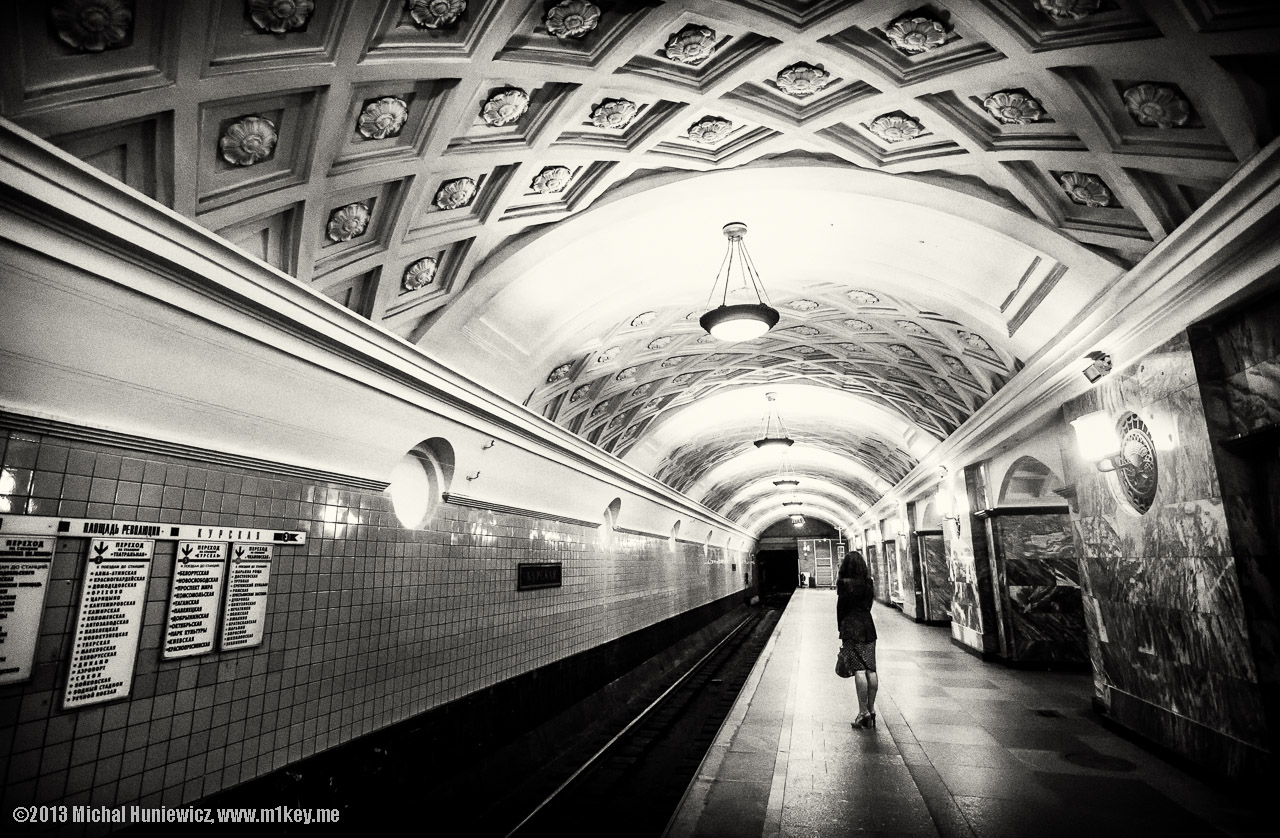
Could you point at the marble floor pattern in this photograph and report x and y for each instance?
(963, 749)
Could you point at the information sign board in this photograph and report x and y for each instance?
(24, 580)
(244, 614)
(199, 569)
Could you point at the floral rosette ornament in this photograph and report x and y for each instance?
(691, 45)
(420, 274)
(347, 223)
(614, 113)
(710, 130)
(456, 193)
(1086, 189)
(572, 18)
(896, 129)
(1157, 106)
(802, 79)
(551, 179)
(914, 35)
(249, 140)
(91, 25)
(505, 107)
(436, 14)
(383, 118)
(280, 16)
(1067, 10)
(1013, 108)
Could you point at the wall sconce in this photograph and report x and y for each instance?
(945, 503)
(1101, 366)
(1126, 447)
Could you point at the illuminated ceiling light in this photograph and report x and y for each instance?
(1100, 365)
(786, 478)
(743, 321)
(792, 503)
(772, 438)
(797, 520)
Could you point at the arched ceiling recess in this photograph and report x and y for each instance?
(810, 491)
(720, 485)
(934, 191)
(765, 513)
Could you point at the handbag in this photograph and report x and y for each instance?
(844, 663)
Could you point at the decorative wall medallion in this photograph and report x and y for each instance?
(347, 223)
(896, 129)
(804, 331)
(579, 393)
(626, 375)
(974, 341)
(1157, 105)
(661, 343)
(1086, 189)
(903, 351)
(691, 45)
(802, 79)
(675, 360)
(91, 25)
(436, 14)
(280, 16)
(551, 179)
(912, 328)
(614, 113)
(862, 298)
(421, 274)
(644, 318)
(1140, 478)
(560, 373)
(455, 194)
(802, 305)
(383, 118)
(572, 18)
(505, 107)
(1067, 10)
(914, 35)
(249, 140)
(608, 355)
(859, 325)
(1013, 108)
(710, 130)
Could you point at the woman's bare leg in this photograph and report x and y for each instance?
(860, 684)
(872, 686)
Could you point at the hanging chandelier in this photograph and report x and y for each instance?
(773, 437)
(786, 478)
(742, 321)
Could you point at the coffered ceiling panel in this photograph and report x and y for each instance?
(532, 191)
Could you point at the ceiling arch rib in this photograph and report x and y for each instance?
(811, 488)
(719, 485)
(765, 512)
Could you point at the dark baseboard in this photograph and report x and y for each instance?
(1036, 665)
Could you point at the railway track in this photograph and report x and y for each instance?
(631, 784)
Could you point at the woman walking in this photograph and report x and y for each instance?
(857, 635)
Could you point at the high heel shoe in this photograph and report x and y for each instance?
(869, 720)
(859, 721)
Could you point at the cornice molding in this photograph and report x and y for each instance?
(62, 199)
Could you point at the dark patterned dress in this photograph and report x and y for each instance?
(857, 630)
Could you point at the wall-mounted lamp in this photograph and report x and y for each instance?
(945, 503)
(1100, 366)
(1111, 448)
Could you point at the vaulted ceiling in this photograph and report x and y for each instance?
(533, 192)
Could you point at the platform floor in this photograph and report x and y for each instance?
(963, 749)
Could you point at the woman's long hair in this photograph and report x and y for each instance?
(854, 566)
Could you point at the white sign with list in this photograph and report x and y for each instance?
(198, 570)
(24, 579)
(109, 624)
(244, 615)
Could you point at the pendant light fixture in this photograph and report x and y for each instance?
(786, 479)
(742, 321)
(774, 437)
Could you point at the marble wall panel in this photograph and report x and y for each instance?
(1035, 555)
(936, 582)
(1161, 591)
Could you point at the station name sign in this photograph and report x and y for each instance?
(532, 576)
(106, 528)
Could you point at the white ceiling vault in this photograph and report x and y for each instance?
(533, 191)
